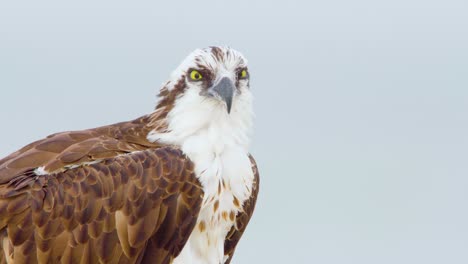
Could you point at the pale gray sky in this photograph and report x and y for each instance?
(362, 109)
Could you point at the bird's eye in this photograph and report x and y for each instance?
(243, 74)
(195, 75)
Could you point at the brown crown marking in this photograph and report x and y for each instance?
(217, 53)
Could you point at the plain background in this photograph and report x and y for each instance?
(362, 109)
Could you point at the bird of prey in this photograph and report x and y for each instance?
(175, 186)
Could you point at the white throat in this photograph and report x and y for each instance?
(194, 115)
(217, 143)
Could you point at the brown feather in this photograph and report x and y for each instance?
(112, 210)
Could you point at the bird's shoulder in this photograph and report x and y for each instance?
(68, 149)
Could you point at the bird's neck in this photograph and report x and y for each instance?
(193, 135)
(197, 125)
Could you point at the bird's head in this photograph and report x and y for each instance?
(210, 85)
(216, 74)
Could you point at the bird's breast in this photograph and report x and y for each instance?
(227, 180)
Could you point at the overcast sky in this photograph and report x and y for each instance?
(361, 132)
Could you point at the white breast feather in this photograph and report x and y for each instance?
(217, 143)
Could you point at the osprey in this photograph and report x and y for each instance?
(175, 186)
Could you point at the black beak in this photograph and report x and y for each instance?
(225, 90)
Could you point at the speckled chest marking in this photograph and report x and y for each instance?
(227, 178)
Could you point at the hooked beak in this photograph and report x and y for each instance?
(224, 89)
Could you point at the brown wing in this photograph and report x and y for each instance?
(65, 149)
(109, 211)
(243, 218)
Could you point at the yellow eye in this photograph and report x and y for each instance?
(243, 74)
(195, 75)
